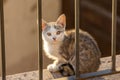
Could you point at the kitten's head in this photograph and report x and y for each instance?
(53, 32)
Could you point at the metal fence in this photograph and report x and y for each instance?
(77, 76)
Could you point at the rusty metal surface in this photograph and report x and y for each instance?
(77, 22)
(113, 36)
(2, 41)
(40, 58)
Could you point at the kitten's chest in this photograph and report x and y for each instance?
(52, 50)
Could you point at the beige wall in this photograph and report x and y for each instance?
(21, 32)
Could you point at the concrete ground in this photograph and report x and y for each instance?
(33, 75)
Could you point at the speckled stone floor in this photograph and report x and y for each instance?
(33, 75)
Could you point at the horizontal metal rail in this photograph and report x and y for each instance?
(92, 75)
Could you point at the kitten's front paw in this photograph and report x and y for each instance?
(52, 68)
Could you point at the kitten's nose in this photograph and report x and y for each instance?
(54, 38)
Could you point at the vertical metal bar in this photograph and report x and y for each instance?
(40, 58)
(2, 40)
(77, 38)
(113, 42)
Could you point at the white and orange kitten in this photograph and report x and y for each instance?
(59, 45)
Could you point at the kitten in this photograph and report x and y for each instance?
(59, 45)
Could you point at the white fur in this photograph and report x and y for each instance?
(52, 52)
(51, 48)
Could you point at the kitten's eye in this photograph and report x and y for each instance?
(49, 34)
(58, 32)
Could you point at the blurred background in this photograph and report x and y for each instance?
(21, 28)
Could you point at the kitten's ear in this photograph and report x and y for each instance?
(44, 23)
(61, 20)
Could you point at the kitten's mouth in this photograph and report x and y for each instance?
(55, 41)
